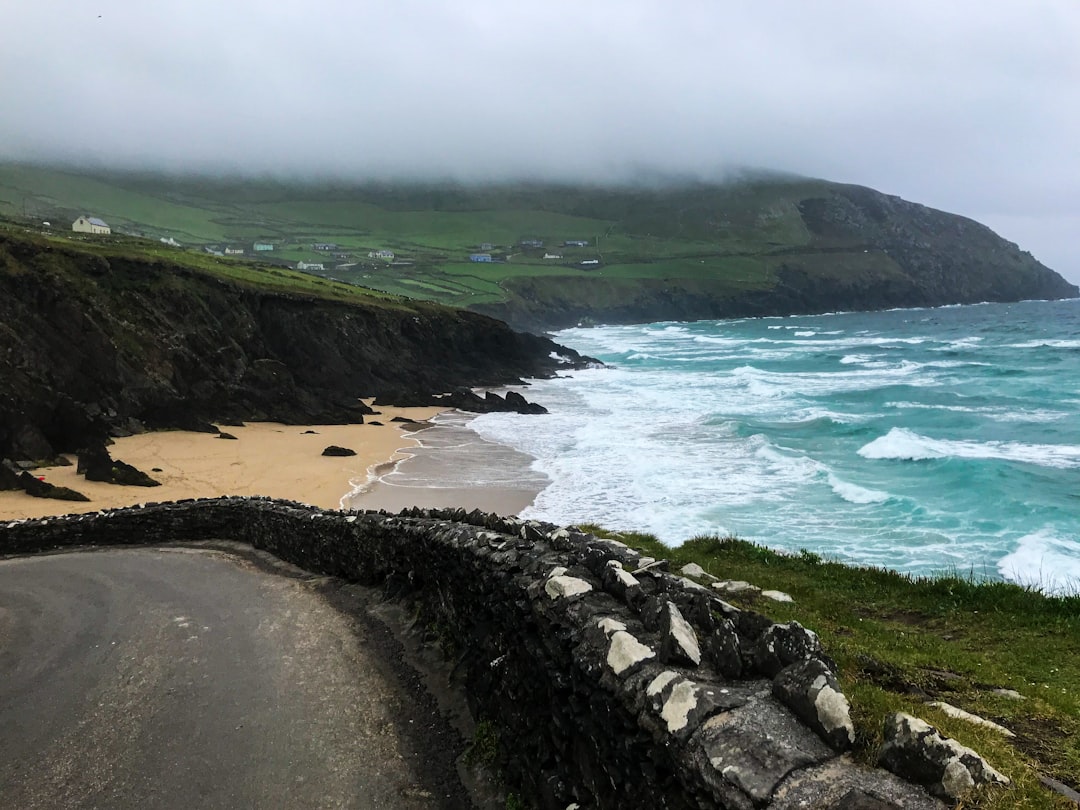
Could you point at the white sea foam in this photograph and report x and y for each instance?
(906, 445)
(1046, 344)
(853, 493)
(805, 333)
(1046, 561)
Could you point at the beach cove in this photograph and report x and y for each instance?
(266, 458)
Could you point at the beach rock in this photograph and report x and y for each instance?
(9, 475)
(224, 435)
(404, 420)
(374, 422)
(916, 751)
(334, 450)
(306, 432)
(97, 465)
(517, 403)
(42, 489)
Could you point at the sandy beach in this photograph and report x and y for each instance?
(267, 458)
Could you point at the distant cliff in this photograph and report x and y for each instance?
(93, 342)
(780, 248)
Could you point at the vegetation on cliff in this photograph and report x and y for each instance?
(107, 336)
(561, 255)
(995, 649)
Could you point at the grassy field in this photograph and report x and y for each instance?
(697, 236)
(753, 244)
(900, 642)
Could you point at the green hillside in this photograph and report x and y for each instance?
(761, 245)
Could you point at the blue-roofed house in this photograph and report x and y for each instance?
(85, 224)
(479, 257)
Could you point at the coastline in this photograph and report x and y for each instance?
(267, 458)
(452, 466)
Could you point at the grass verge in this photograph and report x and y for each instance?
(901, 642)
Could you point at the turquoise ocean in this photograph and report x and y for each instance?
(928, 441)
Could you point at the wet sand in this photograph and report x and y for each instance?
(267, 458)
(453, 466)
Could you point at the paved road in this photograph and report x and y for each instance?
(190, 678)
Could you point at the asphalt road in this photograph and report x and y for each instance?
(194, 678)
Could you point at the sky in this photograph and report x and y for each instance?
(968, 106)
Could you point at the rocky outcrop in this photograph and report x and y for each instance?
(93, 345)
(97, 464)
(612, 683)
(919, 751)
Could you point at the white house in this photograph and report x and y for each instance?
(381, 254)
(310, 266)
(85, 224)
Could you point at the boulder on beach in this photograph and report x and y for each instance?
(97, 465)
(334, 450)
(42, 489)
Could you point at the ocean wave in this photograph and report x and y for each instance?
(853, 493)
(1045, 344)
(1044, 561)
(906, 445)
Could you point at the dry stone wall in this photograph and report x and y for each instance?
(612, 682)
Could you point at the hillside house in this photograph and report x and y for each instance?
(381, 254)
(234, 251)
(532, 243)
(552, 255)
(85, 224)
(261, 246)
(325, 246)
(479, 257)
(590, 263)
(310, 266)
(576, 243)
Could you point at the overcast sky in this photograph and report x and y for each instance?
(972, 106)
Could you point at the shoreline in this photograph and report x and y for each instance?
(267, 458)
(452, 466)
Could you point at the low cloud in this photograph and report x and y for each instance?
(966, 106)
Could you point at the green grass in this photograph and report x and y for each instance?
(719, 239)
(899, 641)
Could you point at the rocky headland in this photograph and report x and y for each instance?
(94, 344)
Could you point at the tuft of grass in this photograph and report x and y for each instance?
(901, 641)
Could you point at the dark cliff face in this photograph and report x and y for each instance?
(88, 344)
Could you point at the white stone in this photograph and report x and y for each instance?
(833, 710)
(1012, 694)
(610, 626)
(734, 586)
(564, 587)
(677, 708)
(684, 634)
(960, 714)
(657, 685)
(693, 570)
(777, 596)
(626, 651)
(558, 571)
(625, 578)
(956, 780)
